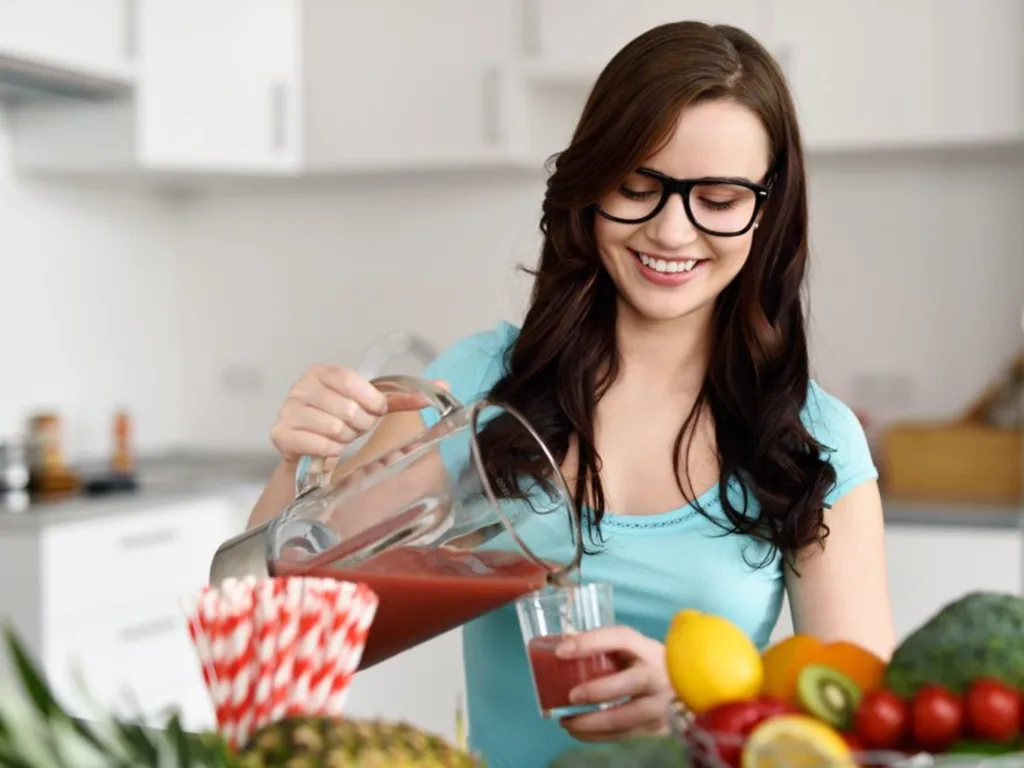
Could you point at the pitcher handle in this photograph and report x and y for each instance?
(310, 472)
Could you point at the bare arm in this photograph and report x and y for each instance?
(842, 591)
(393, 431)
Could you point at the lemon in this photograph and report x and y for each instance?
(796, 741)
(711, 661)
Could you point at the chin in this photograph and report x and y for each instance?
(668, 309)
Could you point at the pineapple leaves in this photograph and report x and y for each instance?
(34, 685)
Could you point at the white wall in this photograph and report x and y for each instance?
(918, 276)
(121, 297)
(919, 273)
(90, 306)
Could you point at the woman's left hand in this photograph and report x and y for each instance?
(643, 680)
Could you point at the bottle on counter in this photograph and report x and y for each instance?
(123, 461)
(49, 474)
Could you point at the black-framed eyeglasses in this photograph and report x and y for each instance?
(719, 206)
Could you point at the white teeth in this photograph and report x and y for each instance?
(661, 265)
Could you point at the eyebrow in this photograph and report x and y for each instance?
(741, 179)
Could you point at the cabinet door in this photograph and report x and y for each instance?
(582, 35)
(431, 679)
(398, 83)
(930, 566)
(94, 37)
(218, 85)
(874, 73)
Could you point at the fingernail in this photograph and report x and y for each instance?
(566, 649)
(576, 695)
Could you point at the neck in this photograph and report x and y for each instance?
(664, 355)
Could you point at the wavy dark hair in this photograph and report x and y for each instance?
(756, 385)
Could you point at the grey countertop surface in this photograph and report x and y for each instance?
(185, 475)
(162, 479)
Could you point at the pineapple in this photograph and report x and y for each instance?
(40, 734)
(308, 742)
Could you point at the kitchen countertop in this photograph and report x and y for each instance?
(162, 479)
(167, 478)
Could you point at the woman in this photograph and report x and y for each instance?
(664, 360)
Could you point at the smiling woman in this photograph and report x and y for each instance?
(663, 359)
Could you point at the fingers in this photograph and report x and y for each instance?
(633, 681)
(331, 407)
(294, 443)
(354, 387)
(643, 715)
(615, 639)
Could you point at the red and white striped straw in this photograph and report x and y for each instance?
(278, 647)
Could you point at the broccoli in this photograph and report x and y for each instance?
(978, 635)
(639, 752)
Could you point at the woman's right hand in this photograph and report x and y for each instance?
(330, 407)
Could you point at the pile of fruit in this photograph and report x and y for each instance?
(953, 688)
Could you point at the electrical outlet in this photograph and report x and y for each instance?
(242, 378)
(883, 391)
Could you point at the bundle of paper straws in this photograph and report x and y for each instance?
(279, 647)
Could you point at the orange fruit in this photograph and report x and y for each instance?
(859, 664)
(783, 662)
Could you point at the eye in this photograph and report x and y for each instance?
(717, 205)
(635, 194)
(636, 186)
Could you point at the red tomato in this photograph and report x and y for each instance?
(853, 743)
(993, 710)
(880, 721)
(936, 718)
(729, 724)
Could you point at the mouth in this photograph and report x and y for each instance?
(665, 266)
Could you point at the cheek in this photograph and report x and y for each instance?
(611, 239)
(732, 251)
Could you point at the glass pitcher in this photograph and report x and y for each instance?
(442, 533)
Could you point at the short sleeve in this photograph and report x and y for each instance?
(837, 428)
(470, 366)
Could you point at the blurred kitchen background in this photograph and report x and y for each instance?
(200, 199)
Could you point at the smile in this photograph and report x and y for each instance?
(666, 266)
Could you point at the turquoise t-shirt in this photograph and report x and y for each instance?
(657, 564)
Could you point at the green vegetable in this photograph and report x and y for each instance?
(640, 752)
(978, 635)
(971, 747)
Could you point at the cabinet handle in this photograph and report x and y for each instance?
(492, 107)
(130, 29)
(149, 539)
(529, 28)
(278, 116)
(138, 632)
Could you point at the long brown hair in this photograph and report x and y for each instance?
(565, 356)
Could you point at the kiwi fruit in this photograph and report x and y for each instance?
(828, 695)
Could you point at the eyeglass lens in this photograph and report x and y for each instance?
(719, 207)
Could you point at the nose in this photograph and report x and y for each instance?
(672, 228)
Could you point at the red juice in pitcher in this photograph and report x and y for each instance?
(425, 592)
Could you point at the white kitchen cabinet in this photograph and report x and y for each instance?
(98, 599)
(932, 565)
(877, 74)
(219, 94)
(929, 566)
(91, 37)
(289, 86)
(582, 35)
(432, 684)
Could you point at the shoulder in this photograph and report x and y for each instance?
(473, 364)
(837, 428)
